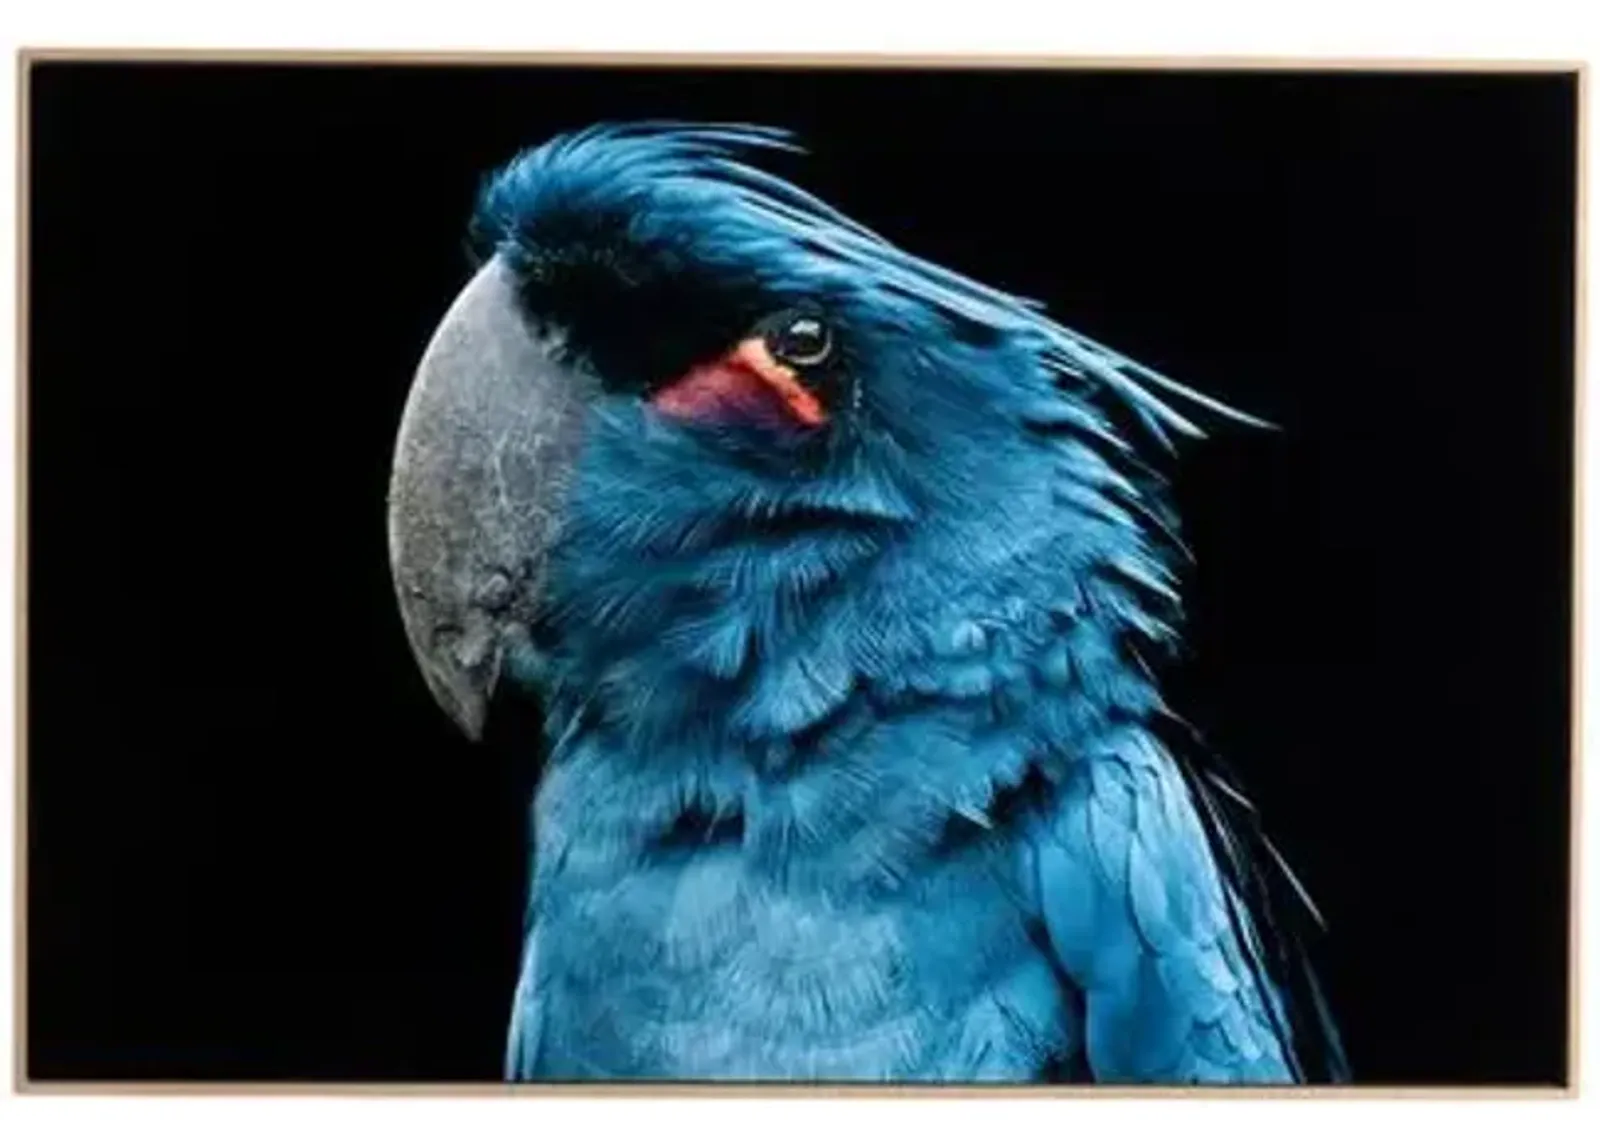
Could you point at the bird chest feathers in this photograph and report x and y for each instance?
(833, 887)
(760, 945)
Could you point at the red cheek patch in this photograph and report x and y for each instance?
(746, 385)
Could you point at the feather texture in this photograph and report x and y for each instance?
(860, 766)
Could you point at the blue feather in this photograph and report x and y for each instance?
(886, 674)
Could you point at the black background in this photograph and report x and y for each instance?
(258, 852)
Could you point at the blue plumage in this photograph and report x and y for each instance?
(860, 768)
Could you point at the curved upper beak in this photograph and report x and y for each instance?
(483, 459)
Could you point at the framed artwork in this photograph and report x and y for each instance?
(798, 572)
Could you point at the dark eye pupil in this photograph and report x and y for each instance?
(804, 341)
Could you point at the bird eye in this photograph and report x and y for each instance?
(802, 341)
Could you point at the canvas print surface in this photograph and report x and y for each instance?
(554, 574)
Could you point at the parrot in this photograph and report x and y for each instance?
(845, 585)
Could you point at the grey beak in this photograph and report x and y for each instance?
(481, 466)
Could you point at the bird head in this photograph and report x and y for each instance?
(667, 350)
